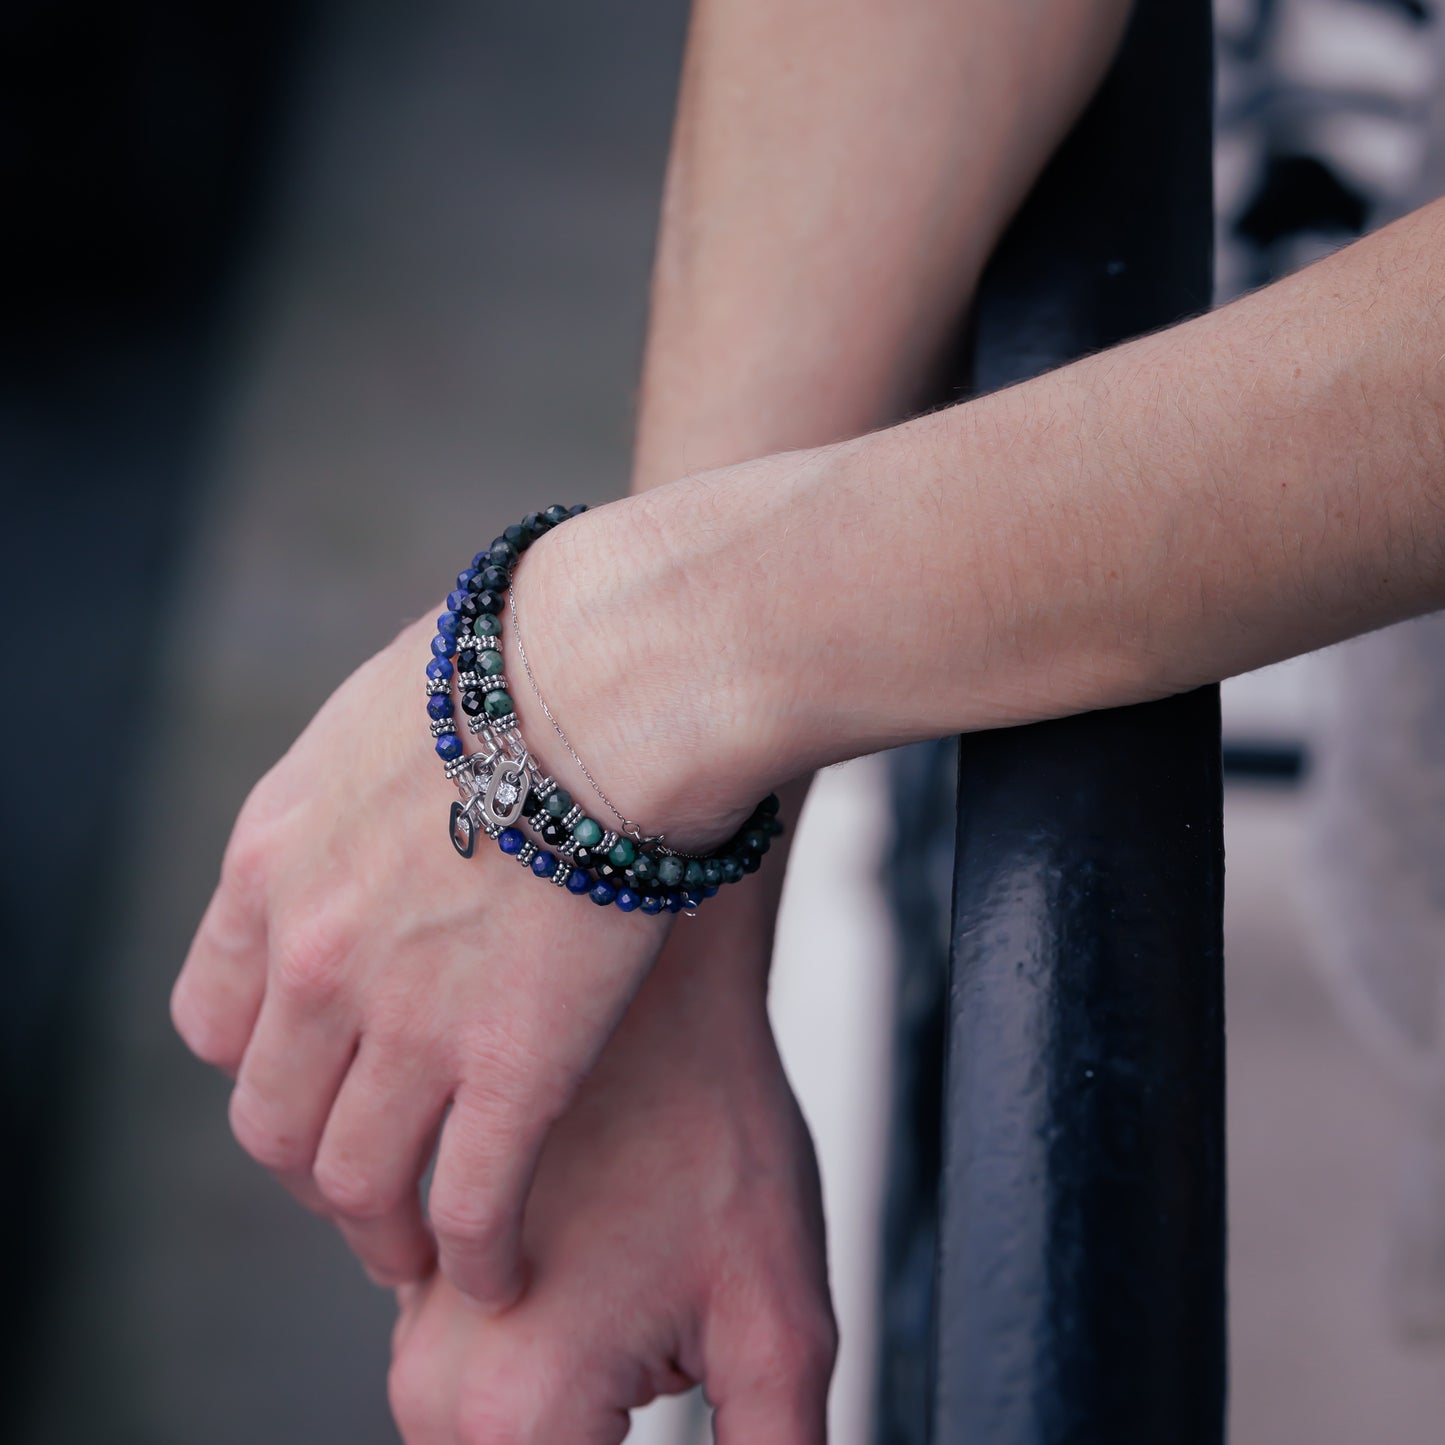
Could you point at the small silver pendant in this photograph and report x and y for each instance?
(506, 793)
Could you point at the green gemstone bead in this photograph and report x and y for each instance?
(622, 853)
(732, 869)
(644, 867)
(485, 624)
(490, 662)
(558, 804)
(670, 871)
(756, 839)
(693, 876)
(712, 873)
(588, 832)
(497, 704)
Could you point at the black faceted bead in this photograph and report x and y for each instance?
(471, 607)
(494, 578)
(472, 702)
(534, 524)
(553, 833)
(531, 805)
(583, 858)
(515, 536)
(608, 869)
(577, 510)
(502, 553)
(467, 659)
(489, 601)
(751, 861)
(556, 515)
(769, 806)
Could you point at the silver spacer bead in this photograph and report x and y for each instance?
(572, 816)
(492, 830)
(495, 683)
(545, 788)
(434, 685)
(604, 844)
(479, 724)
(563, 873)
(442, 726)
(468, 679)
(526, 853)
(457, 766)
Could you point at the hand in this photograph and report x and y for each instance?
(675, 1234)
(359, 980)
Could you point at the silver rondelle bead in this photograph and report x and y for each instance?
(526, 853)
(563, 873)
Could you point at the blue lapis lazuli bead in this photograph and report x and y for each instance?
(448, 623)
(439, 669)
(674, 902)
(627, 899)
(692, 897)
(443, 646)
(455, 599)
(438, 706)
(481, 560)
(510, 840)
(449, 747)
(465, 576)
(544, 865)
(710, 891)
(651, 903)
(579, 881)
(602, 893)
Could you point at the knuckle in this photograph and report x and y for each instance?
(264, 1137)
(353, 1191)
(411, 1400)
(309, 961)
(464, 1222)
(244, 863)
(210, 1039)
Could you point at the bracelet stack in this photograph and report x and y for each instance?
(505, 793)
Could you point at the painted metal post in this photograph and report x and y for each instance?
(1080, 1285)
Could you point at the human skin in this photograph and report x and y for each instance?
(349, 971)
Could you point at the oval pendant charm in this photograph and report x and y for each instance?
(462, 830)
(506, 793)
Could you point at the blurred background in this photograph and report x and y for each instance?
(298, 293)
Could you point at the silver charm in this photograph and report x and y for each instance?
(507, 791)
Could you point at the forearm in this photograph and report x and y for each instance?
(1244, 487)
(839, 173)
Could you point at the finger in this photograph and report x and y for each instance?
(767, 1378)
(218, 994)
(478, 1195)
(288, 1082)
(373, 1152)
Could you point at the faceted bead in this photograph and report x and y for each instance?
(609, 870)
(544, 864)
(498, 704)
(439, 669)
(448, 623)
(582, 857)
(556, 515)
(495, 578)
(513, 534)
(443, 646)
(438, 706)
(644, 868)
(770, 805)
(751, 861)
(577, 510)
(692, 897)
(693, 876)
(490, 662)
(472, 702)
(602, 893)
(467, 658)
(578, 881)
(553, 833)
(627, 899)
(776, 827)
(449, 746)
(502, 553)
(455, 600)
(531, 805)
(559, 804)
(674, 901)
(486, 624)
(535, 525)
(468, 607)
(712, 873)
(670, 871)
(510, 840)
(732, 870)
(651, 903)
(756, 839)
(489, 601)
(465, 578)
(587, 831)
(622, 853)
(709, 892)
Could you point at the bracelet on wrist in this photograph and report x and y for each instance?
(503, 790)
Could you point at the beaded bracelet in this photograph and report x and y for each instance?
(503, 789)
